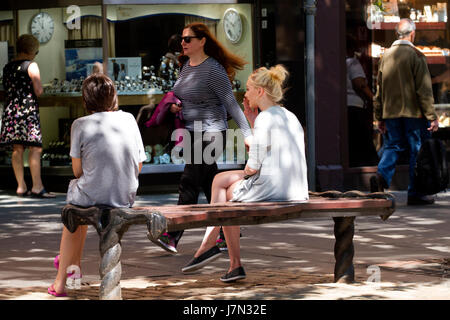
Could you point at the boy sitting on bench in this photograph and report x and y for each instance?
(107, 155)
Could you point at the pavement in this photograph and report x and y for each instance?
(406, 257)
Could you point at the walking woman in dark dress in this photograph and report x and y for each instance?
(21, 126)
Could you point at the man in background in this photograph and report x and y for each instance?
(403, 108)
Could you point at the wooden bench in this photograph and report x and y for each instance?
(112, 223)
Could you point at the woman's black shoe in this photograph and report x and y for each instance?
(419, 201)
(202, 260)
(234, 275)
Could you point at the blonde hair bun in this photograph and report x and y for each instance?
(271, 80)
(278, 73)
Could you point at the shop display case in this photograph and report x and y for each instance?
(443, 112)
(61, 102)
(371, 26)
(158, 158)
(432, 27)
(55, 159)
(432, 39)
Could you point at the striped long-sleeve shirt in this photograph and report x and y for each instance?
(206, 95)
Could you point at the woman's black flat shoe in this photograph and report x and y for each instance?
(202, 260)
(234, 275)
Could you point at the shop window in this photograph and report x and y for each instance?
(372, 26)
(7, 43)
(91, 28)
(7, 31)
(153, 35)
(432, 36)
(280, 38)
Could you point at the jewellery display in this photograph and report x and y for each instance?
(149, 82)
(153, 80)
(57, 154)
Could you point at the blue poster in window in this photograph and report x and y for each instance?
(80, 56)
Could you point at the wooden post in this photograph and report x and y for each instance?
(16, 29)
(111, 225)
(344, 229)
(111, 251)
(330, 94)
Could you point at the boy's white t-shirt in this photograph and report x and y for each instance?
(110, 147)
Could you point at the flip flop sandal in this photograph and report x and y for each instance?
(42, 195)
(56, 262)
(51, 290)
(23, 194)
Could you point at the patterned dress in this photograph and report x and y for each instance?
(20, 122)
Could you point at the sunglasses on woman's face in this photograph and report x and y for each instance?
(187, 39)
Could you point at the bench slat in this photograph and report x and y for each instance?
(181, 217)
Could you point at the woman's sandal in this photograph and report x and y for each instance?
(56, 262)
(51, 290)
(23, 194)
(42, 195)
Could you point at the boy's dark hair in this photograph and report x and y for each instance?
(99, 93)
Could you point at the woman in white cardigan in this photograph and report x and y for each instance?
(275, 171)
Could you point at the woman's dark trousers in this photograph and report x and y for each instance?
(198, 174)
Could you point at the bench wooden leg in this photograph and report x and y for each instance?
(111, 225)
(111, 251)
(344, 229)
(115, 223)
(110, 271)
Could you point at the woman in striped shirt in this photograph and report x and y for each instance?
(204, 88)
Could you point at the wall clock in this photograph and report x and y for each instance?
(232, 25)
(42, 27)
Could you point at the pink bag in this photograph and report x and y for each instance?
(162, 114)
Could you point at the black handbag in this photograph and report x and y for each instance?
(431, 171)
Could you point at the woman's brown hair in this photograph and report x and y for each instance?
(99, 93)
(215, 49)
(27, 43)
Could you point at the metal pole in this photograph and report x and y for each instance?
(310, 10)
(105, 42)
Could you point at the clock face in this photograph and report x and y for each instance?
(232, 25)
(42, 27)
